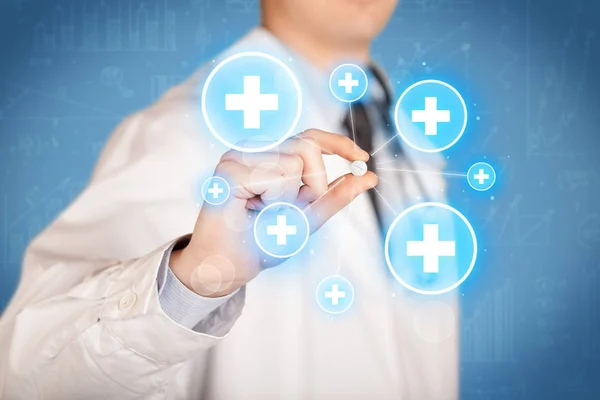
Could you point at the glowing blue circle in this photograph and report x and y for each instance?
(430, 116)
(348, 83)
(431, 248)
(335, 294)
(281, 230)
(215, 190)
(251, 102)
(481, 176)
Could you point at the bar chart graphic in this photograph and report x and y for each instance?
(109, 25)
(488, 335)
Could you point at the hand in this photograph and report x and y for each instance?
(219, 259)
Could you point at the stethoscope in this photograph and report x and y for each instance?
(384, 111)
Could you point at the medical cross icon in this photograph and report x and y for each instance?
(430, 248)
(431, 116)
(215, 190)
(481, 176)
(348, 83)
(251, 102)
(335, 294)
(281, 230)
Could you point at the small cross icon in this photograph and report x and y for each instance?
(348, 83)
(335, 294)
(431, 248)
(431, 116)
(252, 102)
(282, 230)
(481, 176)
(215, 190)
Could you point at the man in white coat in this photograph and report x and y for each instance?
(118, 301)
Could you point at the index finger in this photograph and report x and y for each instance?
(333, 143)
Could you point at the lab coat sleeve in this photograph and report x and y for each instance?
(86, 320)
(182, 305)
(106, 337)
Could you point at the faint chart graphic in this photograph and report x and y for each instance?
(159, 84)
(242, 5)
(515, 228)
(203, 36)
(561, 99)
(108, 25)
(488, 336)
(9, 98)
(498, 393)
(17, 3)
(430, 53)
(13, 95)
(33, 145)
(590, 346)
(40, 208)
(549, 310)
(589, 231)
(504, 75)
(113, 77)
(436, 5)
(572, 179)
(579, 385)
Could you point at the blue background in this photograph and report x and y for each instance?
(527, 70)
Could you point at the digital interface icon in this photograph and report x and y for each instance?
(335, 294)
(215, 190)
(430, 116)
(431, 248)
(348, 83)
(251, 102)
(481, 176)
(281, 230)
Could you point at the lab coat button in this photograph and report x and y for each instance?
(127, 301)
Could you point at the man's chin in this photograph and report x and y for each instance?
(359, 34)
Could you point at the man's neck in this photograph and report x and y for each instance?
(322, 54)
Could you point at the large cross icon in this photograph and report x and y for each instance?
(282, 230)
(430, 248)
(431, 116)
(252, 102)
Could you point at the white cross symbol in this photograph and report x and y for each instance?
(335, 294)
(431, 116)
(481, 176)
(251, 102)
(348, 83)
(215, 190)
(281, 230)
(430, 248)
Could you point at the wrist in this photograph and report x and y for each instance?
(208, 276)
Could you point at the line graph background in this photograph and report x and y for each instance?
(71, 70)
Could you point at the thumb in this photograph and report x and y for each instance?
(339, 194)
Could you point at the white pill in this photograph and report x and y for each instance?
(358, 168)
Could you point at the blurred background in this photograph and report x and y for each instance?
(71, 70)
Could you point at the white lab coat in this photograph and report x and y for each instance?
(86, 323)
